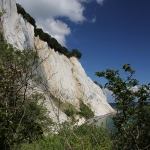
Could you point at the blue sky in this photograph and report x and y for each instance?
(109, 33)
(120, 34)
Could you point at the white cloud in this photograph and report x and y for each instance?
(46, 12)
(100, 1)
(55, 28)
(71, 9)
(134, 89)
(85, 1)
(108, 94)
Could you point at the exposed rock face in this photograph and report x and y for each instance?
(68, 80)
(65, 78)
(17, 31)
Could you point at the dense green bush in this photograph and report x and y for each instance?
(1, 37)
(85, 111)
(89, 137)
(76, 53)
(52, 42)
(70, 110)
(43, 36)
(65, 107)
(25, 15)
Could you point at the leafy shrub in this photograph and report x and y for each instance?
(76, 53)
(43, 36)
(85, 111)
(2, 13)
(88, 137)
(52, 42)
(65, 107)
(21, 116)
(1, 37)
(70, 110)
(25, 15)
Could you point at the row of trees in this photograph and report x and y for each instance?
(25, 15)
(52, 42)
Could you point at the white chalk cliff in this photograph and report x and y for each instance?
(65, 77)
(17, 31)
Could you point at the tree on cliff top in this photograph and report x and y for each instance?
(52, 42)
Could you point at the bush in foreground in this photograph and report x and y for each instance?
(89, 137)
(21, 116)
(132, 123)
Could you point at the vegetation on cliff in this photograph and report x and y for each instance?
(85, 137)
(52, 42)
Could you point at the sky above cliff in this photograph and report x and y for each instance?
(109, 33)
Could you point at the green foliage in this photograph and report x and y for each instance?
(25, 15)
(76, 53)
(70, 110)
(43, 36)
(30, 19)
(65, 107)
(53, 43)
(22, 117)
(1, 37)
(133, 120)
(85, 111)
(89, 137)
(2, 13)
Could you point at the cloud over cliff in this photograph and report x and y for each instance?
(45, 13)
(49, 13)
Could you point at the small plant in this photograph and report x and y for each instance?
(85, 111)
(2, 13)
(1, 37)
(70, 110)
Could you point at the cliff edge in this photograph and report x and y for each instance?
(65, 78)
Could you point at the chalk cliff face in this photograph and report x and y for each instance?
(17, 31)
(65, 78)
